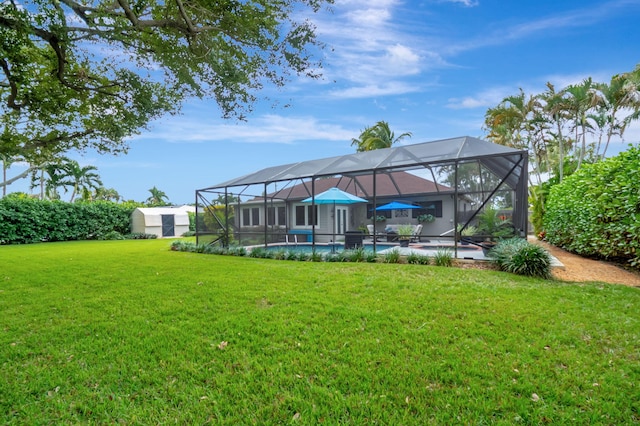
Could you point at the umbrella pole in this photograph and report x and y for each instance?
(333, 241)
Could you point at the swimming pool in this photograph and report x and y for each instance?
(324, 248)
(380, 247)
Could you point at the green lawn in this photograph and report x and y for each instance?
(130, 332)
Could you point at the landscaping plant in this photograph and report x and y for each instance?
(443, 257)
(518, 256)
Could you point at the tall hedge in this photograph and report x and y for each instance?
(27, 220)
(596, 211)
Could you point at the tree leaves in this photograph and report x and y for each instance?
(596, 211)
(88, 75)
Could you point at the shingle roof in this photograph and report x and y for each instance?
(387, 185)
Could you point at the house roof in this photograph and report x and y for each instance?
(499, 158)
(387, 185)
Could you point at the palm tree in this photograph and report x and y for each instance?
(106, 194)
(6, 163)
(49, 177)
(555, 106)
(157, 197)
(622, 93)
(377, 136)
(582, 98)
(81, 179)
(518, 122)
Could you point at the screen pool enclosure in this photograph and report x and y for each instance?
(452, 182)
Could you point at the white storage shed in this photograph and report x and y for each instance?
(161, 221)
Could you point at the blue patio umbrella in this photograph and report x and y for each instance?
(334, 196)
(397, 205)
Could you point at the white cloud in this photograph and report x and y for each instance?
(373, 90)
(371, 50)
(268, 128)
(466, 3)
(484, 99)
(492, 96)
(369, 17)
(584, 17)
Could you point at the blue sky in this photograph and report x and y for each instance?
(429, 67)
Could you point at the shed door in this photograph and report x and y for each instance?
(168, 222)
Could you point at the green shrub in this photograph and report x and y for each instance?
(392, 256)
(258, 252)
(290, 255)
(520, 257)
(418, 259)
(179, 245)
(356, 255)
(443, 257)
(281, 254)
(112, 235)
(303, 256)
(238, 251)
(316, 257)
(333, 257)
(505, 250)
(28, 220)
(371, 257)
(140, 236)
(596, 211)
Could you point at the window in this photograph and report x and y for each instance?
(251, 216)
(271, 216)
(276, 216)
(282, 216)
(428, 207)
(306, 215)
(385, 213)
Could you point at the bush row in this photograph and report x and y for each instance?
(442, 258)
(27, 220)
(596, 211)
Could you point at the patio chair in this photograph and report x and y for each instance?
(373, 234)
(415, 236)
(291, 239)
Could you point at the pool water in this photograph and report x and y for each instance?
(328, 248)
(324, 248)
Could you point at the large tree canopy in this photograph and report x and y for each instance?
(87, 74)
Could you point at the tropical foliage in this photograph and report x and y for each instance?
(596, 211)
(157, 198)
(377, 136)
(564, 129)
(66, 174)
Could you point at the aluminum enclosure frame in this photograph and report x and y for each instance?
(508, 165)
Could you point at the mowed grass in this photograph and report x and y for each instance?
(130, 332)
